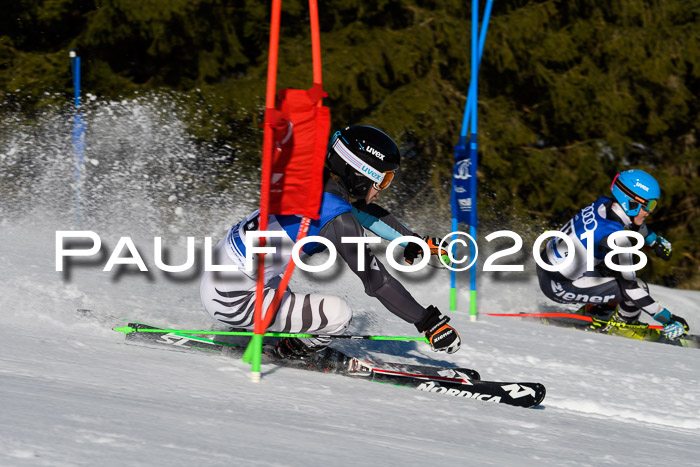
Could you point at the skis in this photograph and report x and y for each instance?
(180, 341)
(450, 381)
(457, 382)
(614, 328)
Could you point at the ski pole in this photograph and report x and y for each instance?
(129, 330)
(572, 316)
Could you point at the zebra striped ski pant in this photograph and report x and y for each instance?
(229, 297)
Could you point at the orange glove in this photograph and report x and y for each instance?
(413, 250)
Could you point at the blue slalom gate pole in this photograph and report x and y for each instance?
(470, 114)
(78, 135)
(471, 96)
(473, 87)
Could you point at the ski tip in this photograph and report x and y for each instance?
(125, 329)
(540, 393)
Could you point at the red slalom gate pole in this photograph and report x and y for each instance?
(253, 353)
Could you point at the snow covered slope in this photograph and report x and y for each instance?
(75, 393)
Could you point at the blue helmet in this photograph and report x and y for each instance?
(635, 189)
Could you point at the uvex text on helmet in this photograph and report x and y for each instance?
(363, 156)
(635, 189)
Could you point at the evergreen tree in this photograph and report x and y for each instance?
(570, 92)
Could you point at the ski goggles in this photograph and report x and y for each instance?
(381, 180)
(635, 200)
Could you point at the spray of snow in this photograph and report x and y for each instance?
(75, 393)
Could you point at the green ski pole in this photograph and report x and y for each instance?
(129, 330)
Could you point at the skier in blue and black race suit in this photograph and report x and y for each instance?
(361, 162)
(604, 293)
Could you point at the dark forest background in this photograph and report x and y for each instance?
(571, 91)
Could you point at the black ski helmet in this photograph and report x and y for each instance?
(363, 156)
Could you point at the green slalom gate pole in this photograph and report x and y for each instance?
(129, 330)
(253, 355)
(453, 273)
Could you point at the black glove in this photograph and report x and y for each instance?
(662, 248)
(413, 250)
(442, 336)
